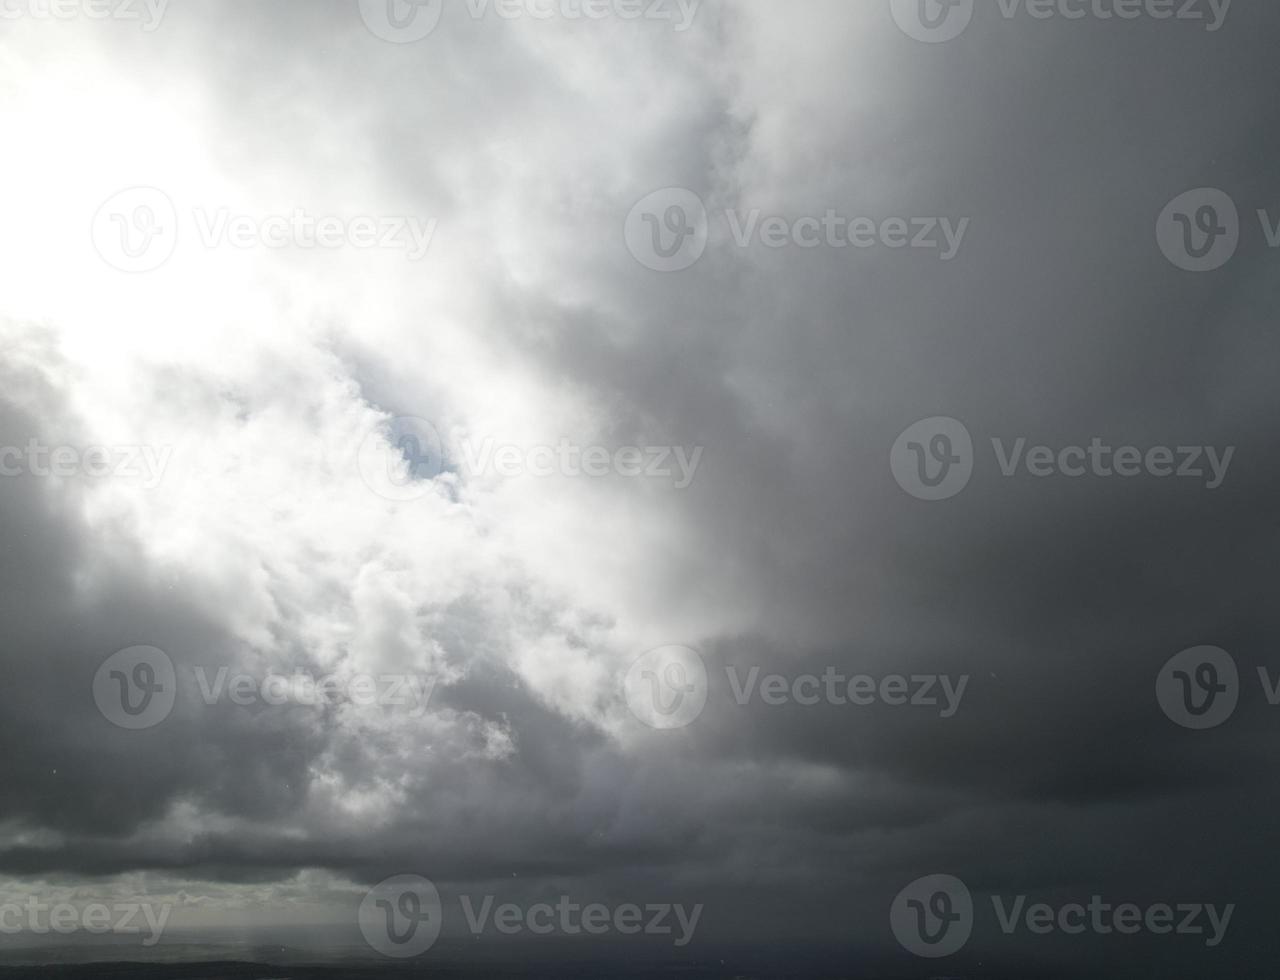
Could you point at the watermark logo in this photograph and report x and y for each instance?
(668, 463)
(933, 459)
(838, 689)
(39, 918)
(932, 21)
(145, 463)
(401, 917)
(1199, 231)
(667, 230)
(399, 460)
(933, 916)
(407, 21)
(401, 21)
(666, 688)
(149, 12)
(303, 230)
(837, 231)
(679, 13)
(1199, 688)
(135, 688)
(363, 690)
(568, 918)
(1104, 918)
(136, 229)
(936, 21)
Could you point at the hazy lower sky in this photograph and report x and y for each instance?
(886, 389)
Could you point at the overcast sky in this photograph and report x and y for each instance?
(553, 232)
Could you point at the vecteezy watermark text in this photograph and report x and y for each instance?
(568, 460)
(834, 687)
(937, 21)
(933, 459)
(407, 21)
(39, 918)
(933, 917)
(137, 688)
(309, 690)
(149, 12)
(399, 459)
(402, 917)
(668, 231)
(145, 463)
(137, 230)
(668, 687)
(570, 919)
